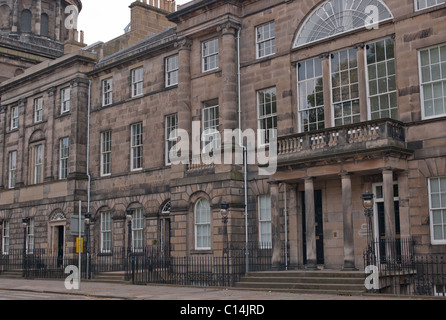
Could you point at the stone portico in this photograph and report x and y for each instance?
(343, 163)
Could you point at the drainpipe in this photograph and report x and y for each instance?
(88, 175)
(88, 146)
(286, 229)
(245, 151)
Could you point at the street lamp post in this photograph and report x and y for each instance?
(25, 222)
(130, 261)
(224, 218)
(87, 227)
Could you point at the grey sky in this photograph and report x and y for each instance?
(103, 20)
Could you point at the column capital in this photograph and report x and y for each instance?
(324, 55)
(273, 182)
(184, 44)
(360, 45)
(345, 174)
(51, 91)
(228, 27)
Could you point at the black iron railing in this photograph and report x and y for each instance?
(401, 271)
(151, 265)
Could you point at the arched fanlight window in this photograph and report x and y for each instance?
(334, 17)
(25, 25)
(166, 208)
(44, 25)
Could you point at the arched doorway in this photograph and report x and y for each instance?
(57, 225)
(164, 228)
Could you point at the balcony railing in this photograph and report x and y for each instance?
(365, 136)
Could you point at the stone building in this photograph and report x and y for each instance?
(32, 32)
(355, 89)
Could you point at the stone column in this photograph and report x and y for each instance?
(77, 166)
(184, 46)
(52, 145)
(22, 147)
(389, 206)
(228, 64)
(38, 16)
(362, 82)
(349, 251)
(327, 89)
(403, 196)
(295, 228)
(15, 17)
(58, 20)
(275, 226)
(184, 85)
(310, 223)
(389, 213)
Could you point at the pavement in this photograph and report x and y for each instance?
(119, 291)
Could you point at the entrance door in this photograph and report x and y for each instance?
(165, 235)
(319, 227)
(60, 245)
(380, 225)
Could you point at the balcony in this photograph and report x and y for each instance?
(377, 136)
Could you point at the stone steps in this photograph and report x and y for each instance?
(323, 281)
(110, 277)
(12, 274)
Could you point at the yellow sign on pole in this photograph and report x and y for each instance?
(77, 245)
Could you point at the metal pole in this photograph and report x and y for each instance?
(286, 231)
(79, 244)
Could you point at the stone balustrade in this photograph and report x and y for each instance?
(349, 138)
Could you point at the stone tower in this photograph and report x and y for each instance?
(32, 31)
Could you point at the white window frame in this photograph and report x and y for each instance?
(442, 81)
(202, 226)
(380, 199)
(418, 8)
(65, 100)
(441, 208)
(64, 155)
(106, 232)
(261, 40)
(136, 146)
(12, 169)
(171, 129)
(30, 237)
(137, 230)
(107, 92)
(38, 110)
(211, 125)
(172, 67)
(14, 117)
(137, 82)
(5, 237)
(38, 163)
(350, 85)
(106, 137)
(264, 219)
(262, 132)
(300, 84)
(207, 58)
(388, 93)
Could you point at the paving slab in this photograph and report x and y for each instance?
(167, 292)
